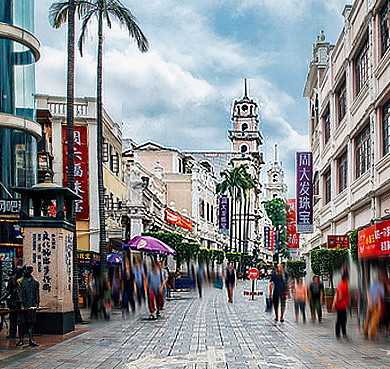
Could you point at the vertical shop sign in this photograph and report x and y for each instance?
(81, 176)
(267, 235)
(224, 215)
(292, 235)
(271, 240)
(304, 203)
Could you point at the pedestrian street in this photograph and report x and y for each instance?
(209, 333)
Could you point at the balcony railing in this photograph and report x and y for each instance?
(59, 108)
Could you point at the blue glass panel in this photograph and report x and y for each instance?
(18, 13)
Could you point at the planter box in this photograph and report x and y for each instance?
(329, 303)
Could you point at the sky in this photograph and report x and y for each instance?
(181, 92)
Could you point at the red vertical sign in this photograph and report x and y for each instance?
(81, 177)
(272, 240)
(292, 235)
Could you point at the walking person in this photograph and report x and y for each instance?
(154, 287)
(340, 303)
(127, 288)
(300, 298)
(139, 281)
(164, 279)
(199, 279)
(316, 297)
(278, 292)
(375, 297)
(230, 281)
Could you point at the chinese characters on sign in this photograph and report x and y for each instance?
(304, 204)
(292, 235)
(178, 220)
(374, 241)
(43, 245)
(68, 259)
(224, 215)
(81, 177)
(9, 206)
(267, 238)
(338, 242)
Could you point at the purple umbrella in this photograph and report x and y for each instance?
(112, 259)
(150, 245)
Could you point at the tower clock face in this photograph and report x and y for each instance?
(244, 107)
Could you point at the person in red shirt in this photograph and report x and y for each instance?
(340, 303)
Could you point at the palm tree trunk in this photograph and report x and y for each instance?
(231, 225)
(99, 116)
(235, 221)
(70, 139)
(240, 227)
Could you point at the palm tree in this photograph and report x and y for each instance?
(104, 11)
(60, 13)
(232, 183)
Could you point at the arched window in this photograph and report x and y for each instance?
(244, 126)
(244, 148)
(275, 178)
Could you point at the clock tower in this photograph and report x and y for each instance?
(275, 186)
(245, 136)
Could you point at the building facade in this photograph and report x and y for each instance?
(52, 112)
(348, 91)
(19, 131)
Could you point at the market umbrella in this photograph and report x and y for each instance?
(150, 245)
(112, 259)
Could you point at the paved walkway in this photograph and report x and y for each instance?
(210, 333)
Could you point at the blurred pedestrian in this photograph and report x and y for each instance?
(230, 281)
(127, 288)
(300, 297)
(340, 303)
(199, 278)
(154, 287)
(164, 279)
(375, 298)
(278, 292)
(316, 297)
(139, 280)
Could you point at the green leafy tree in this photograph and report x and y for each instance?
(219, 256)
(189, 251)
(233, 257)
(297, 268)
(276, 211)
(105, 11)
(171, 239)
(325, 262)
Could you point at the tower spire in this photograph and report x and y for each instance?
(276, 153)
(245, 89)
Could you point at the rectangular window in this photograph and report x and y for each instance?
(341, 101)
(343, 171)
(328, 188)
(363, 150)
(385, 14)
(326, 120)
(386, 127)
(361, 67)
(201, 208)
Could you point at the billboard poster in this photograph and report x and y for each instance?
(338, 242)
(291, 222)
(304, 204)
(223, 215)
(172, 217)
(81, 174)
(267, 234)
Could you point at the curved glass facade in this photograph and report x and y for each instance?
(18, 13)
(18, 150)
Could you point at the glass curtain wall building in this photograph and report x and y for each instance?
(19, 132)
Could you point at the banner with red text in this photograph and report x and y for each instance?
(81, 174)
(291, 222)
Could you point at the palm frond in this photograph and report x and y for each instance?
(58, 13)
(84, 27)
(129, 21)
